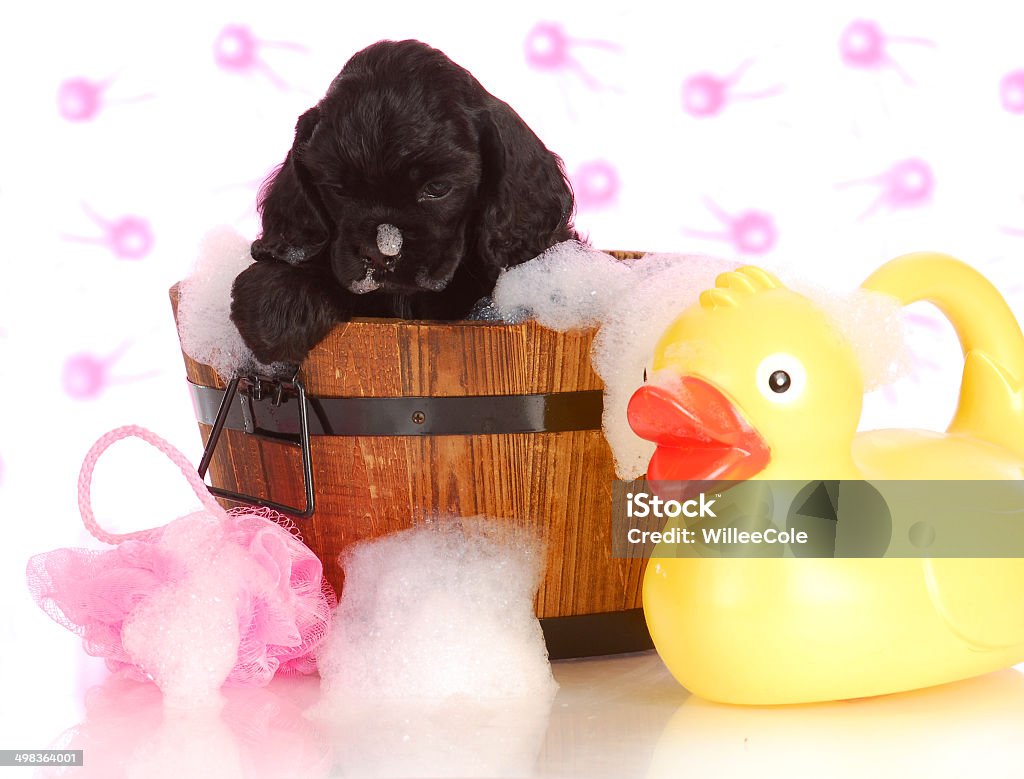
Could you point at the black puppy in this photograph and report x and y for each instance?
(408, 188)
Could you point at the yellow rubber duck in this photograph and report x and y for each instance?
(756, 382)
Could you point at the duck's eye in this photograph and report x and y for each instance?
(435, 190)
(780, 381)
(781, 378)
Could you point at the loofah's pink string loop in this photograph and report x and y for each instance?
(85, 481)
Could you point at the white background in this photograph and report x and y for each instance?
(179, 142)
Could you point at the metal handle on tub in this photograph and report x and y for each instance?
(255, 388)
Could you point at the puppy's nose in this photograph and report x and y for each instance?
(375, 260)
(385, 252)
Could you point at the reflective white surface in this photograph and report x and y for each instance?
(612, 717)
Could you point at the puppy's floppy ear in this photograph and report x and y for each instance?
(296, 226)
(527, 200)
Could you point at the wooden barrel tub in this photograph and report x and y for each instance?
(412, 420)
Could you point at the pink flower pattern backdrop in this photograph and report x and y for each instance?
(817, 138)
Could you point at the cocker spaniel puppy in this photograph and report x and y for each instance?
(407, 189)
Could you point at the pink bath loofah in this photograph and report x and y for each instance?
(214, 596)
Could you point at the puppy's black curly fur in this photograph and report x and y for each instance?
(407, 138)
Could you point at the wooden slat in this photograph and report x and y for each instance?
(448, 359)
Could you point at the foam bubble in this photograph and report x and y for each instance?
(389, 240)
(663, 286)
(424, 281)
(442, 610)
(294, 255)
(569, 286)
(484, 310)
(185, 635)
(204, 307)
(366, 284)
(875, 327)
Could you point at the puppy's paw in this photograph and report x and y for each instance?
(282, 311)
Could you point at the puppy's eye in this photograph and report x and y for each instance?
(435, 190)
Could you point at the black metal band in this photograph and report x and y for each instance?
(469, 415)
(587, 635)
(252, 387)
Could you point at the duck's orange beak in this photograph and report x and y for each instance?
(700, 434)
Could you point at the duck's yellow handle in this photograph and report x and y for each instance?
(991, 403)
